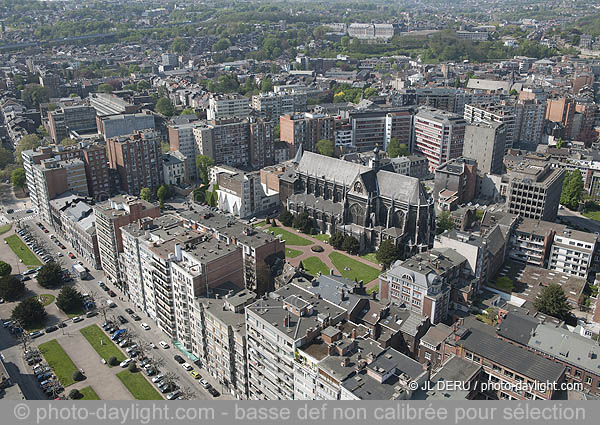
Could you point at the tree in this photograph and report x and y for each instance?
(165, 107)
(188, 111)
(277, 131)
(221, 45)
(5, 157)
(302, 222)
(67, 141)
(5, 269)
(78, 376)
(286, 218)
(75, 394)
(69, 300)
(553, 301)
(11, 288)
(572, 190)
(105, 88)
(336, 240)
(560, 143)
(325, 147)
(266, 85)
(161, 194)
(396, 149)
(29, 312)
(178, 45)
(387, 253)
(351, 245)
(29, 141)
(34, 94)
(145, 194)
(203, 163)
(142, 85)
(113, 361)
(50, 275)
(18, 179)
(444, 222)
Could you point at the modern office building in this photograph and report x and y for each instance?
(78, 118)
(110, 104)
(503, 113)
(228, 106)
(121, 125)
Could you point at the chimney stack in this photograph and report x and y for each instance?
(353, 334)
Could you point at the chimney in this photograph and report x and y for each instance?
(345, 362)
(331, 272)
(374, 295)
(178, 253)
(353, 334)
(330, 349)
(286, 322)
(370, 358)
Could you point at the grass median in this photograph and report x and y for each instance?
(102, 343)
(59, 361)
(27, 257)
(138, 386)
(314, 265)
(289, 237)
(88, 394)
(292, 253)
(353, 269)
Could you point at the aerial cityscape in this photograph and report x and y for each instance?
(313, 200)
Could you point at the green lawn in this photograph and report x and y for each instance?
(314, 265)
(504, 283)
(292, 253)
(592, 212)
(290, 238)
(59, 361)
(371, 256)
(88, 394)
(24, 253)
(322, 237)
(138, 386)
(358, 270)
(107, 349)
(45, 299)
(4, 228)
(259, 224)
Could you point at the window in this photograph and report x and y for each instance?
(427, 355)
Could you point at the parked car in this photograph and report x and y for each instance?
(163, 344)
(136, 317)
(194, 374)
(36, 334)
(179, 359)
(150, 371)
(158, 378)
(204, 383)
(145, 326)
(111, 293)
(77, 319)
(187, 366)
(128, 310)
(174, 395)
(124, 343)
(51, 329)
(122, 319)
(125, 362)
(91, 314)
(213, 392)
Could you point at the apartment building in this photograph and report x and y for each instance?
(531, 241)
(485, 143)
(371, 31)
(260, 250)
(530, 111)
(243, 195)
(534, 189)
(504, 362)
(262, 142)
(227, 106)
(375, 128)
(174, 168)
(221, 333)
(502, 113)
(79, 118)
(572, 252)
(227, 142)
(306, 129)
(137, 160)
(276, 326)
(110, 216)
(439, 135)
(273, 105)
(52, 177)
(200, 269)
(181, 138)
(95, 160)
(455, 182)
(121, 125)
(74, 221)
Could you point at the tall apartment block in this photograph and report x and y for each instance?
(262, 142)
(226, 142)
(375, 128)
(533, 190)
(503, 113)
(530, 110)
(276, 326)
(181, 138)
(111, 215)
(572, 252)
(137, 160)
(484, 142)
(439, 135)
(273, 105)
(78, 118)
(306, 129)
(96, 169)
(221, 337)
(110, 104)
(53, 177)
(227, 106)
